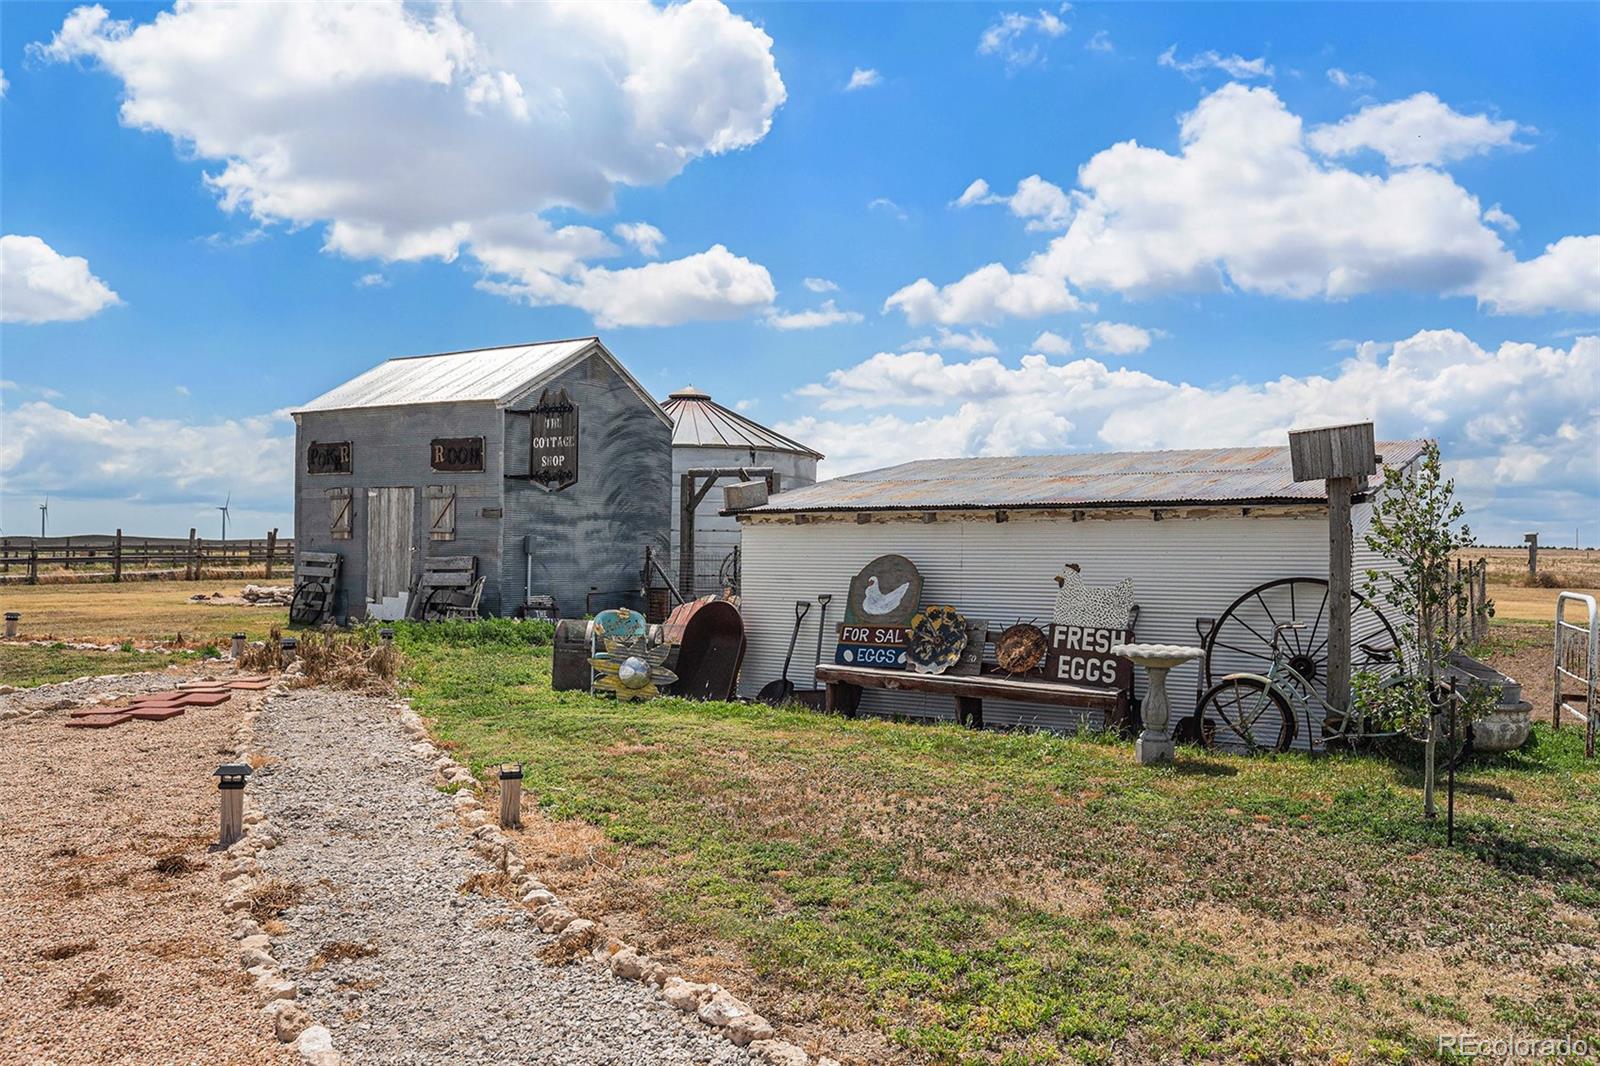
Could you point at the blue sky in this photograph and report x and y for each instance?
(1240, 218)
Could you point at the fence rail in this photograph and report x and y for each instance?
(186, 558)
(1468, 615)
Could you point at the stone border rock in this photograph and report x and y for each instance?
(242, 873)
(711, 1003)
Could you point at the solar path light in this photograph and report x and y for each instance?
(12, 618)
(230, 786)
(238, 646)
(289, 647)
(386, 634)
(511, 797)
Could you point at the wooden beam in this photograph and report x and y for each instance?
(116, 558)
(1340, 549)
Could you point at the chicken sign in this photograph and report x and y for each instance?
(887, 592)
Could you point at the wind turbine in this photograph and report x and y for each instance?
(44, 513)
(224, 510)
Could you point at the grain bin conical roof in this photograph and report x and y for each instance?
(699, 421)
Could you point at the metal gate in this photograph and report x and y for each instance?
(1577, 661)
(389, 550)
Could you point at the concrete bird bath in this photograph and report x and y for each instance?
(1155, 741)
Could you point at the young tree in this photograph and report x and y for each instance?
(1416, 521)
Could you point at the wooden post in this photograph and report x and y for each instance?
(66, 553)
(1483, 602)
(1340, 548)
(116, 557)
(194, 557)
(272, 546)
(33, 563)
(1532, 541)
(511, 797)
(686, 505)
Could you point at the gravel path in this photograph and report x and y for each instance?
(387, 949)
(104, 958)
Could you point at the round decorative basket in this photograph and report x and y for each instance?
(1020, 648)
(937, 637)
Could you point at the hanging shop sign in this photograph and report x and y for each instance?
(328, 457)
(553, 442)
(886, 592)
(872, 645)
(1081, 655)
(456, 453)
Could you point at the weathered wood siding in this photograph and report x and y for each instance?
(593, 534)
(390, 449)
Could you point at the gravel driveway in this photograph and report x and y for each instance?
(392, 946)
(104, 955)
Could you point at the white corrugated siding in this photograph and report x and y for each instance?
(1183, 569)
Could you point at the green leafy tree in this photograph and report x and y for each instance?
(1417, 523)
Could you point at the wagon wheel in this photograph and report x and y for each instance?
(1240, 641)
(728, 573)
(307, 604)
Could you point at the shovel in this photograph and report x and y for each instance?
(781, 691)
(822, 622)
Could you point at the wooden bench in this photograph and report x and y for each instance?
(845, 684)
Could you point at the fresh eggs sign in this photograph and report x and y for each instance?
(1081, 655)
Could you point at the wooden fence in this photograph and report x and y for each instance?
(146, 556)
(1471, 623)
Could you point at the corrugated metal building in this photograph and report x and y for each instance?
(1194, 529)
(707, 435)
(435, 455)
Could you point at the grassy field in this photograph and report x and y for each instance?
(29, 665)
(145, 612)
(915, 893)
(1560, 569)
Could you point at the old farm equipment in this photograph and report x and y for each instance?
(1267, 656)
(316, 579)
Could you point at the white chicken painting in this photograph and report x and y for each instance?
(875, 601)
(887, 591)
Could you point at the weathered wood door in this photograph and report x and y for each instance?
(389, 544)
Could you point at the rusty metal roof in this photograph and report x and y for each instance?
(699, 421)
(1088, 479)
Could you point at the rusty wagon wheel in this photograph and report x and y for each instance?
(1240, 641)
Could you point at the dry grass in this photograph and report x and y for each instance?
(273, 896)
(174, 866)
(352, 660)
(340, 951)
(145, 612)
(96, 991)
(495, 884)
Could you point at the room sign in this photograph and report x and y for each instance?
(1081, 655)
(324, 457)
(456, 453)
(553, 444)
(871, 645)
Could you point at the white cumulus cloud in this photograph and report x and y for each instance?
(1043, 204)
(642, 235)
(415, 132)
(971, 341)
(862, 78)
(1421, 130)
(1345, 79)
(820, 285)
(1245, 205)
(826, 315)
(39, 284)
(1051, 344)
(1115, 338)
(1234, 66)
(1020, 39)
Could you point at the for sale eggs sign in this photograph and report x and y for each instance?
(869, 645)
(1081, 655)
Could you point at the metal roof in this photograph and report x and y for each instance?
(1088, 479)
(498, 375)
(699, 421)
